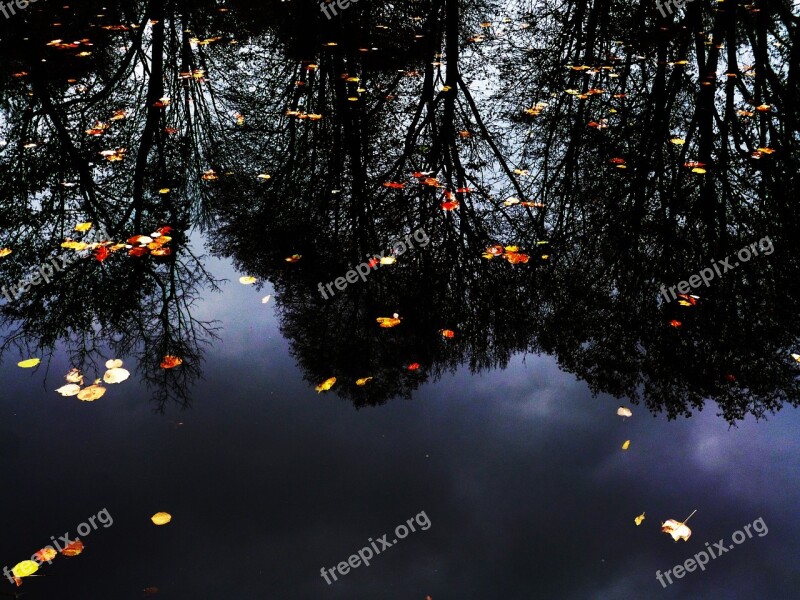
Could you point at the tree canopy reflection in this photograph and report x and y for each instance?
(618, 150)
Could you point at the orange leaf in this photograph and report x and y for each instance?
(73, 549)
(170, 362)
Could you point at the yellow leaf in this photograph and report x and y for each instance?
(796, 357)
(624, 412)
(91, 393)
(626, 445)
(387, 322)
(363, 380)
(25, 568)
(83, 226)
(699, 170)
(248, 280)
(678, 141)
(638, 520)
(161, 518)
(5, 252)
(326, 385)
(31, 362)
(388, 260)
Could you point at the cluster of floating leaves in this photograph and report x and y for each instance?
(26, 568)
(74, 387)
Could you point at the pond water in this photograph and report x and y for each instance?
(440, 300)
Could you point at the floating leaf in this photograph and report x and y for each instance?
(91, 393)
(363, 380)
(387, 322)
(266, 298)
(624, 412)
(161, 518)
(676, 530)
(73, 549)
(71, 389)
(675, 323)
(247, 280)
(170, 362)
(27, 364)
(294, 258)
(46, 554)
(638, 520)
(326, 385)
(74, 376)
(413, 366)
(448, 333)
(5, 252)
(626, 445)
(388, 260)
(25, 569)
(116, 375)
(83, 227)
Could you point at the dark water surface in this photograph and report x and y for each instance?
(537, 178)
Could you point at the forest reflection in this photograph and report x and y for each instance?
(616, 149)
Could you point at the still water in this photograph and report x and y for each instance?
(446, 300)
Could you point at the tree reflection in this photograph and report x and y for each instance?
(617, 149)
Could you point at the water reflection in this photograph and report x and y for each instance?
(618, 152)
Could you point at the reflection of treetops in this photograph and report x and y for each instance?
(633, 171)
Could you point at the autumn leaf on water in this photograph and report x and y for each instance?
(326, 385)
(115, 372)
(25, 569)
(83, 226)
(266, 298)
(294, 258)
(624, 412)
(626, 445)
(678, 530)
(388, 322)
(161, 518)
(46, 554)
(687, 299)
(796, 357)
(638, 520)
(395, 185)
(388, 260)
(247, 280)
(363, 381)
(101, 253)
(170, 362)
(73, 549)
(27, 364)
(448, 333)
(5, 252)
(91, 393)
(675, 323)
(71, 389)
(74, 376)
(413, 366)
(450, 205)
